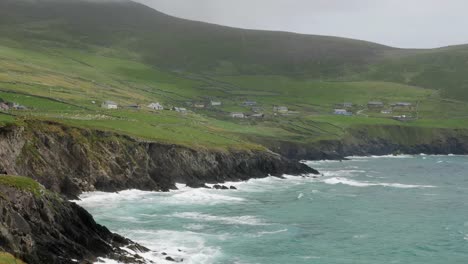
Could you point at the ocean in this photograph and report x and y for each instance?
(376, 210)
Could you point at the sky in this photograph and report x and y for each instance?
(398, 23)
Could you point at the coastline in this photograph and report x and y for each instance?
(72, 161)
(189, 198)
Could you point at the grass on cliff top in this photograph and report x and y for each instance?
(7, 258)
(21, 183)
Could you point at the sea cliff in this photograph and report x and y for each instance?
(40, 227)
(70, 161)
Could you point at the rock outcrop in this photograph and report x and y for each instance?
(40, 227)
(69, 161)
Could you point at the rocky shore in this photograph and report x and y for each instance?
(378, 140)
(38, 224)
(40, 227)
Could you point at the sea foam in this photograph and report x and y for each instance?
(338, 180)
(232, 220)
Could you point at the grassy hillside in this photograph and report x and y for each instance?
(62, 59)
(61, 85)
(131, 30)
(440, 69)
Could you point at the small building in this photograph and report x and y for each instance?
(403, 118)
(13, 105)
(280, 109)
(250, 103)
(21, 107)
(386, 111)
(258, 115)
(375, 104)
(109, 105)
(402, 105)
(216, 103)
(134, 106)
(199, 105)
(155, 106)
(4, 107)
(180, 110)
(342, 112)
(237, 115)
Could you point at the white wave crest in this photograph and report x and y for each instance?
(338, 180)
(232, 220)
(381, 157)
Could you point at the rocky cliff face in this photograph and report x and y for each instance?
(70, 160)
(39, 227)
(379, 140)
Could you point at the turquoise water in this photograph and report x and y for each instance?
(407, 209)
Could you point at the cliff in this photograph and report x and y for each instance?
(69, 161)
(40, 227)
(377, 140)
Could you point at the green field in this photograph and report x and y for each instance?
(62, 88)
(61, 66)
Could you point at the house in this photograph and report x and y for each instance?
(21, 107)
(280, 109)
(259, 115)
(216, 103)
(180, 110)
(134, 106)
(342, 112)
(375, 104)
(16, 106)
(199, 105)
(13, 105)
(403, 118)
(237, 115)
(250, 103)
(109, 105)
(155, 106)
(4, 107)
(402, 105)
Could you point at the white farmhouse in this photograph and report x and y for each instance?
(155, 106)
(109, 105)
(237, 115)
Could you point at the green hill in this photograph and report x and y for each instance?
(61, 59)
(136, 31)
(444, 69)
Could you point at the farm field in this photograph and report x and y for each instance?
(68, 86)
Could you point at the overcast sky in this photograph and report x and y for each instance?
(399, 23)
